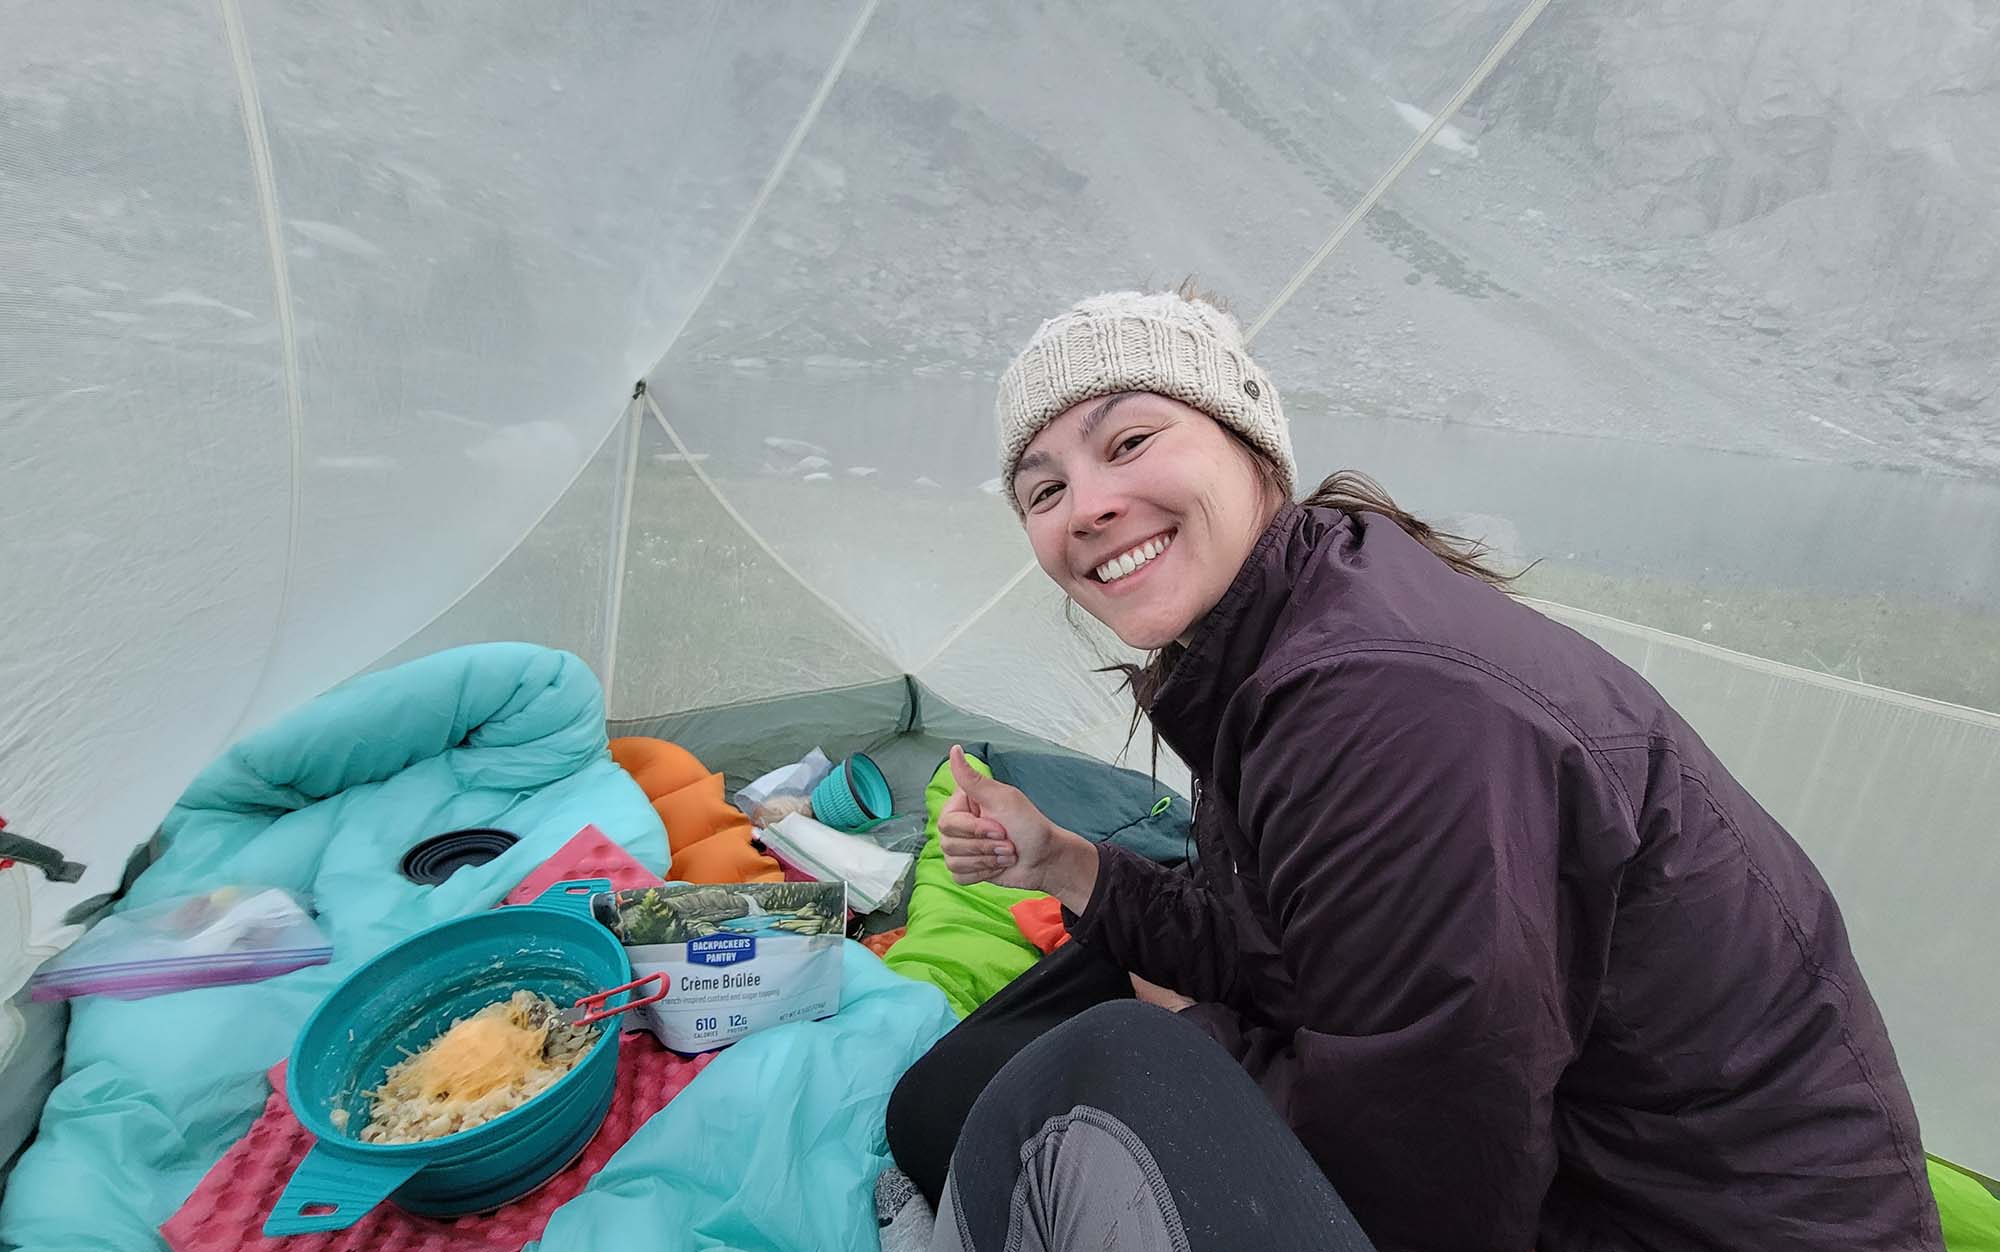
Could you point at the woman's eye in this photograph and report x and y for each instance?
(1044, 492)
(1132, 441)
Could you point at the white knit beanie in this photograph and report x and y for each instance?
(1162, 342)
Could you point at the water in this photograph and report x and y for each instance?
(1611, 505)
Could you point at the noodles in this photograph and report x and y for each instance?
(486, 1064)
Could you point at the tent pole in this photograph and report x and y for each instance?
(252, 108)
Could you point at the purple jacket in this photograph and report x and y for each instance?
(1517, 959)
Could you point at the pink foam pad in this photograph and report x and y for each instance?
(226, 1212)
(589, 855)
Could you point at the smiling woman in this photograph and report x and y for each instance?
(1511, 958)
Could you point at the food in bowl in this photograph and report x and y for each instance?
(487, 1063)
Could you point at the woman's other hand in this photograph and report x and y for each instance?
(1172, 1001)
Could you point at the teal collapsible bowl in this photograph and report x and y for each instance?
(405, 998)
(854, 797)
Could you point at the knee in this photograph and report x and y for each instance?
(1081, 1058)
(1098, 1030)
(1101, 1058)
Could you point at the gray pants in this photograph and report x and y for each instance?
(1127, 1130)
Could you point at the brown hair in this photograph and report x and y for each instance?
(1348, 491)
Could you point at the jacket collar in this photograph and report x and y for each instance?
(1231, 641)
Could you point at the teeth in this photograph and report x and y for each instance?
(1120, 566)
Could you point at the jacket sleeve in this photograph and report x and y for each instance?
(1175, 930)
(1407, 816)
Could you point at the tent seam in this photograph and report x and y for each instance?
(793, 143)
(251, 106)
(1479, 75)
(1967, 714)
(474, 585)
(621, 533)
(992, 602)
(861, 632)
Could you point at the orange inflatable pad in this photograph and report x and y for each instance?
(708, 836)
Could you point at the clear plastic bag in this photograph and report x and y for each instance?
(906, 832)
(230, 935)
(787, 789)
(874, 875)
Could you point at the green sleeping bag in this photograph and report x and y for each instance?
(1969, 1213)
(962, 940)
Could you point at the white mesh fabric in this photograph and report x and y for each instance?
(490, 228)
(552, 587)
(709, 618)
(1693, 303)
(494, 227)
(972, 173)
(143, 489)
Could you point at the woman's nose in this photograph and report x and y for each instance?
(1092, 509)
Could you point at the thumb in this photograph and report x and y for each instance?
(970, 781)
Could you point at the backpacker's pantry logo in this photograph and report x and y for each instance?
(722, 950)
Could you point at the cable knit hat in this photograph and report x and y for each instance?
(1161, 342)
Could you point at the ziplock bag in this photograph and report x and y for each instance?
(229, 935)
(873, 874)
(790, 785)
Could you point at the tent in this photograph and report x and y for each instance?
(666, 334)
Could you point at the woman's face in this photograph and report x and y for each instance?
(1142, 509)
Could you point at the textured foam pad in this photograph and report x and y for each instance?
(227, 1211)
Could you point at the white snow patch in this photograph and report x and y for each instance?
(419, 179)
(122, 319)
(827, 173)
(793, 447)
(528, 448)
(1839, 429)
(339, 238)
(817, 478)
(1449, 137)
(861, 471)
(455, 419)
(194, 299)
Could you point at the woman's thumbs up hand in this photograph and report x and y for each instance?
(991, 832)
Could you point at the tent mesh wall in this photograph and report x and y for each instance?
(328, 324)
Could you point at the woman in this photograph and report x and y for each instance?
(1512, 958)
